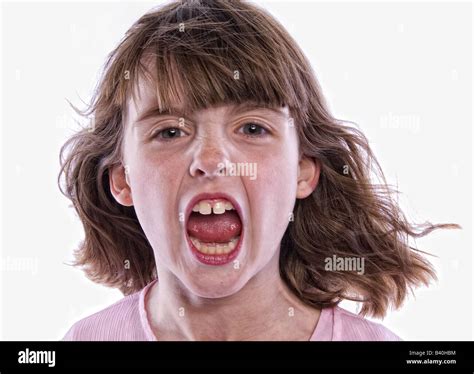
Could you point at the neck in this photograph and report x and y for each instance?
(264, 309)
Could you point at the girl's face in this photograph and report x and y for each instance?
(238, 154)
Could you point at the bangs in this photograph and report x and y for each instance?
(201, 56)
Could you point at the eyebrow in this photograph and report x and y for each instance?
(176, 112)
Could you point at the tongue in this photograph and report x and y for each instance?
(217, 228)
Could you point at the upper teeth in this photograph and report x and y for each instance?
(213, 206)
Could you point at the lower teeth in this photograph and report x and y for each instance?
(215, 248)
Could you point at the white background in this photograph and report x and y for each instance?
(402, 72)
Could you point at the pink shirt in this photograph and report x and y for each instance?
(127, 320)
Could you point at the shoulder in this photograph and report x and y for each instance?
(119, 321)
(350, 326)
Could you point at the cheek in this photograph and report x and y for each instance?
(155, 182)
(272, 196)
(152, 180)
(155, 174)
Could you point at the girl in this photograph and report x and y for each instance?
(219, 194)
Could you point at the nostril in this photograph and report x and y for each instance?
(211, 169)
(200, 172)
(220, 168)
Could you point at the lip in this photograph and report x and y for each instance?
(214, 259)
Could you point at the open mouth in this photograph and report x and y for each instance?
(214, 229)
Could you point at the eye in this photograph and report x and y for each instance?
(253, 129)
(169, 133)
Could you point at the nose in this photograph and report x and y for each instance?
(210, 160)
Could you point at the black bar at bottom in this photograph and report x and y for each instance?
(37, 356)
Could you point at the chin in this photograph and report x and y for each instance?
(215, 288)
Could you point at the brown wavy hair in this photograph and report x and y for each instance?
(197, 48)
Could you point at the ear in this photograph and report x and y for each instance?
(120, 184)
(308, 177)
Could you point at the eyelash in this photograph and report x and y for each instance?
(158, 132)
(263, 128)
